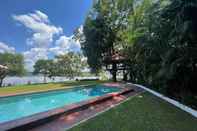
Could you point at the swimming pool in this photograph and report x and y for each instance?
(16, 107)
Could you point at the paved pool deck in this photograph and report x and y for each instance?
(67, 121)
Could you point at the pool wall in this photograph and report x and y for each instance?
(29, 122)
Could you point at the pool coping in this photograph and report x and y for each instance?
(43, 117)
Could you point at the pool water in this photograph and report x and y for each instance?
(16, 107)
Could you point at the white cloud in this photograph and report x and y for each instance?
(40, 16)
(5, 48)
(39, 24)
(43, 33)
(33, 55)
(65, 44)
(42, 39)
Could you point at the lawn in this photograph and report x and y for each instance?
(43, 87)
(141, 113)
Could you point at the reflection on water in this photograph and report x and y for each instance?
(30, 79)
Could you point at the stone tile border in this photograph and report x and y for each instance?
(169, 100)
(44, 117)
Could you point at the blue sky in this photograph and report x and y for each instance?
(39, 29)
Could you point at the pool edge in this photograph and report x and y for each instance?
(45, 91)
(43, 117)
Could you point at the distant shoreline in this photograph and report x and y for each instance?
(16, 80)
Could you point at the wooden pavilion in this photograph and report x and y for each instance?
(116, 62)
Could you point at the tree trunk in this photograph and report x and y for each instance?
(3, 73)
(114, 76)
(1, 82)
(45, 81)
(114, 70)
(125, 78)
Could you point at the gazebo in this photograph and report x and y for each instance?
(114, 63)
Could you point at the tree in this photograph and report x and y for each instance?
(179, 27)
(70, 64)
(166, 50)
(159, 37)
(14, 64)
(100, 31)
(45, 67)
(3, 73)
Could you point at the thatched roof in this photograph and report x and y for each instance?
(115, 58)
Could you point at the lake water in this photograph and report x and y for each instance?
(37, 79)
(30, 79)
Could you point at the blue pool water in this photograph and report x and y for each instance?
(12, 108)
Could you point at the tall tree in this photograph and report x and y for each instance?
(100, 30)
(14, 64)
(158, 36)
(45, 67)
(166, 51)
(69, 64)
(179, 27)
(3, 73)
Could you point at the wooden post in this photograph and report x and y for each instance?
(114, 70)
(125, 75)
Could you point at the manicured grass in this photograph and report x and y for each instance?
(43, 87)
(141, 113)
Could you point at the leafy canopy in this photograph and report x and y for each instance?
(14, 64)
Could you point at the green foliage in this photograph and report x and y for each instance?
(166, 51)
(70, 65)
(103, 75)
(158, 36)
(100, 30)
(45, 67)
(15, 64)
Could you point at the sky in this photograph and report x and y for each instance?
(41, 29)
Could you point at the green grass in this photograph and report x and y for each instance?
(43, 87)
(145, 113)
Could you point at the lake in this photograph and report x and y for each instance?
(37, 79)
(30, 79)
